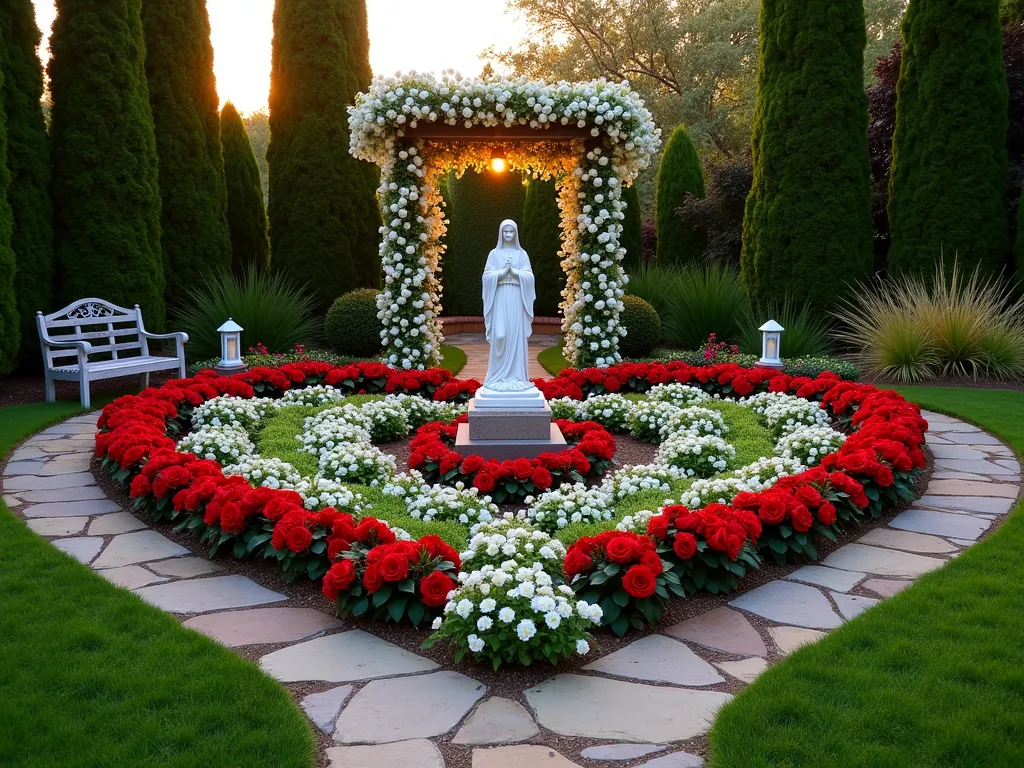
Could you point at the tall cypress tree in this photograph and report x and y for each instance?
(28, 160)
(10, 329)
(632, 229)
(541, 237)
(319, 197)
(679, 174)
(807, 226)
(247, 217)
(183, 95)
(949, 160)
(105, 193)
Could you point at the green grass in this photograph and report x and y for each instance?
(452, 359)
(552, 360)
(92, 676)
(931, 677)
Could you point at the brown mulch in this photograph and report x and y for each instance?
(24, 388)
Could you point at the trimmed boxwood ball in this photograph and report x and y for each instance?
(643, 327)
(352, 326)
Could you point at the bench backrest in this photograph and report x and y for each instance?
(113, 331)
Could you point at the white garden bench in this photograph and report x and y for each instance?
(92, 328)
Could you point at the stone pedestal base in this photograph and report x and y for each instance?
(503, 449)
(527, 398)
(504, 423)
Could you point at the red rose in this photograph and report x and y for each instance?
(484, 482)
(773, 510)
(576, 561)
(299, 539)
(373, 531)
(176, 477)
(685, 545)
(745, 500)
(160, 488)
(231, 518)
(718, 538)
(338, 578)
(140, 487)
(436, 547)
(471, 464)
(827, 513)
(435, 588)
(372, 579)
(612, 384)
(336, 545)
(884, 476)
(522, 468)
(808, 495)
(855, 461)
(394, 567)
(657, 527)
(651, 560)
(541, 478)
(802, 518)
(449, 462)
(621, 550)
(639, 581)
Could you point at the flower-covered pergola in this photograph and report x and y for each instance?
(593, 138)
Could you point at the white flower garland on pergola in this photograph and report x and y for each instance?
(594, 138)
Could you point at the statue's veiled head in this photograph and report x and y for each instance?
(508, 235)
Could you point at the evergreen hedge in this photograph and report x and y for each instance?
(643, 327)
(949, 166)
(480, 202)
(10, 329)
(541, 237)
(632, 229)
(247, 217)
(106, 197)
(352, 327)
(28, 160)
(679, 174)
(807, 225)
(186, 117)
(320, 199)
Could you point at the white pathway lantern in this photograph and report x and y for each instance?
(771, 342)
(230, 348)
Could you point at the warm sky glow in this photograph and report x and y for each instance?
(404, 34)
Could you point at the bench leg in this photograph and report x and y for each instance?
(144, 381)
(84, 393)
(50, 390)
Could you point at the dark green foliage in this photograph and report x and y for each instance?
(679, 175)
(632, 238)
(1011, 11)
(323, 212)
(183, 95)
(28, 160)
(719, 214)
(541, 237)
(272, 309)
(807, 225)
(480, 202)
(10, 327)
(643, 327)
(106, 197)
(807, 331)
(247, 218)
(352, 326)
(1019, 248)
(949, 166)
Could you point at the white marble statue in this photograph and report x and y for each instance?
(509, 293)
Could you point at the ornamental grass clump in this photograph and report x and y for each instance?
(911, 328)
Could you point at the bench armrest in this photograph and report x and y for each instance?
(179, 336)
(83, 347)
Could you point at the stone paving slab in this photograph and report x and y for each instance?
(27, 452)
(596, 707)
(402, 708)
(957, 452)
(262, 626)
(82, 548)
(722, 629)
(130, 576)
(184, 567)
(11, 501)
(788, 603)
(947, 474)
(745, 669)
(114, 523)
(886, 587)
(852, 606)
(214, 594)
(32, 483)
(942, 487)
(880, 562)
(675, 760)
(416, 753)
(497, 721)
(323, 708)
(940, 524)
(944, 427)
(65, 465)
(523, 756)
(88, 493)
(24, 467)
(843, 581)
(911, 542)
(967, 503)
(658, 659)
(979, 467)
(57, 526)
(788, 639)
(70, 427)
(342, 658)
(969, 437)
(616, 752)
(71, 508)
(138, 547)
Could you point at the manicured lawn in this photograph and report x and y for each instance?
(552, 361)
(932, 677)
(452, 359)
(92, 676)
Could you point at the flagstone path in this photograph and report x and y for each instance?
(384, 706)
(476, 348)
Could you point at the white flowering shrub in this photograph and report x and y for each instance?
(647, 417)
(226, 411)
(809, 444)
(767, 471)
(327, 492)
(505, 540)
(334, 427)
(564, 408)
(356, 463)
(387, 420)
(269, 473)
(440, 502)
(783, 413)
(420, 411)
(695, 420)
(637, 522)
(515, 615)
(611, 411)
(226, 444)
(679, 395)
(574, 503)
(639, 478)
(319, 395)
(697, 455)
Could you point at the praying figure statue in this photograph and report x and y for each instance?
(509, 293)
